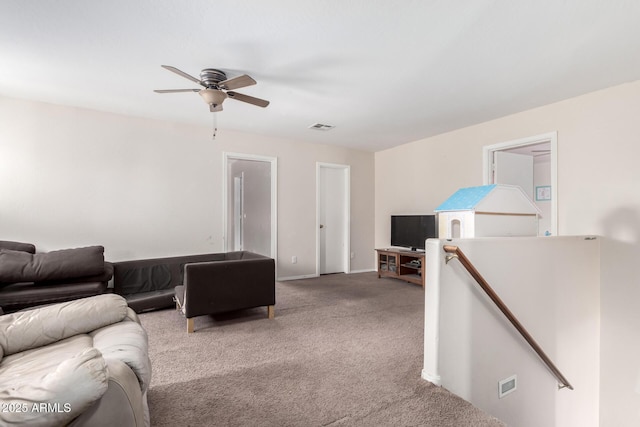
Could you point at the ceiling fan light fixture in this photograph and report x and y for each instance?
(213, 96)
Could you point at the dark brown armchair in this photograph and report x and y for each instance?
(241, 280)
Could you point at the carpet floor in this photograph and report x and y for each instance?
(343, 350)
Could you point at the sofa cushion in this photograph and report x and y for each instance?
(155, 274)
(147, 301)
(39, 361)
(45, 325)
(147, 278)
(104, 276)
(17, 296)
(18, 266)
(67, 377)
(18, 246)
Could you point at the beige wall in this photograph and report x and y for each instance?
(619, 326)
(598, 177)
(598, 181)
(142, 188)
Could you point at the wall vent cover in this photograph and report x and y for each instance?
(507, 386)
(321, 126)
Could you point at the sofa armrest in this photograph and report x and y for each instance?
(121, 405)
(127, 342)
(18, 246)
(221, 286)
(74, 385)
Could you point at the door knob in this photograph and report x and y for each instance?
(321, 226)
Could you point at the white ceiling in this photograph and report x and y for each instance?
(384, 72)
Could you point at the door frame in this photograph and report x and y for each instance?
(552, 139)
(238, 220)
(346, 213)
(273, 161)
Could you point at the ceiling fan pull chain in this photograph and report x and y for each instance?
(215, 126)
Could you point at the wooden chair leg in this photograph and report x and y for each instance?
(190, 325)
(271, 311)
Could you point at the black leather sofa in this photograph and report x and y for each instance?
(217, 282)
(29, 279)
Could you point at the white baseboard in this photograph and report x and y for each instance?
(312, 276)
(366, 270)
(434, 379)
(304, 276)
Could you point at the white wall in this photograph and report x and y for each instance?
(598, 148)
(71, 177)
(552, 286)
(598, 181)
(620, 333)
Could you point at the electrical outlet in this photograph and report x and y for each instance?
(294, 259)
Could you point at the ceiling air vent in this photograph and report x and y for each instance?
(321, 126)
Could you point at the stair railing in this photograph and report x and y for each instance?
(455, 252)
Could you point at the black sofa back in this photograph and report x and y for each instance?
(148, 284)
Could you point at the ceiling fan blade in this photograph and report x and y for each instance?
(175, 90)
(216, 108)
(237, 82)
(249, 99)
(181, 73)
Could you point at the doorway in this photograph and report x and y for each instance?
(249, 204)
(530, 163)
(333, 234)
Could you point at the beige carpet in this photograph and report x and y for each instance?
(343, 350)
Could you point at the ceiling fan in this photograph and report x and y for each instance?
(217, 87)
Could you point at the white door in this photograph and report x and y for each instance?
(514, 169)
(333, 219)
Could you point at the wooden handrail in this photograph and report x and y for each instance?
(457, 253)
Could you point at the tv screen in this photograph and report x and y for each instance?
(410, 231)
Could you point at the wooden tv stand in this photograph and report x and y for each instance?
(401, 264)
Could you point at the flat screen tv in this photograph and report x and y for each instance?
(410, 231)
